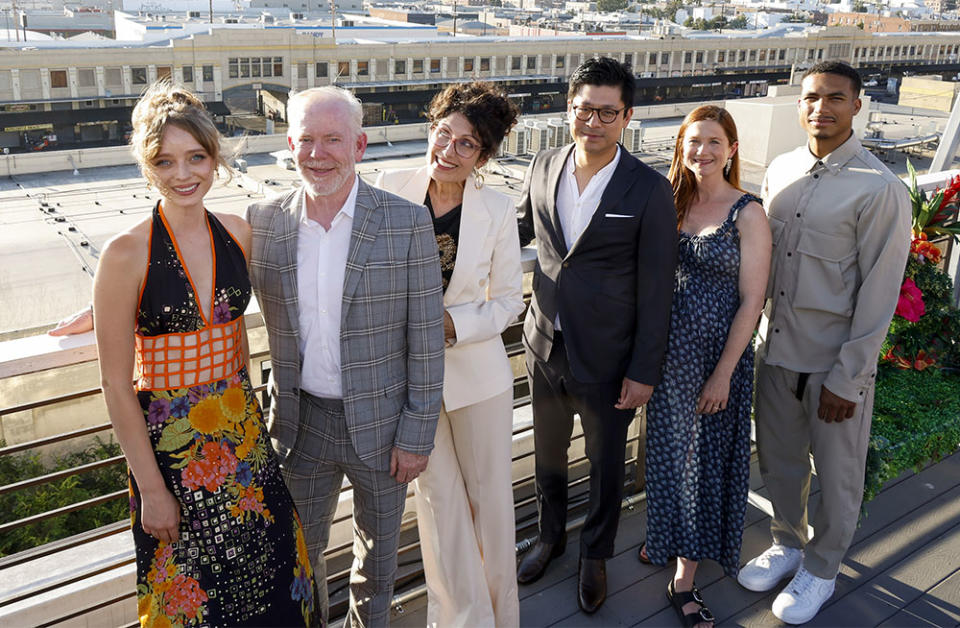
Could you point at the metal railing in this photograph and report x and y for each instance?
(339, 557)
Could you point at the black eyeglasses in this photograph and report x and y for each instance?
(605, 114)
(463, 146)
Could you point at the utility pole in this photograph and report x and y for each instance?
(211, 11)
(333, 20)
(454, 18)
(16, 27)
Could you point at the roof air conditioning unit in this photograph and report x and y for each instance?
(632, 137)
(193, 13)
(517, 141)
(231, 20)
(537, 136)
(296, 16)
(559, 132)
(266, 18)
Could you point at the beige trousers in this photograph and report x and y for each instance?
(788, 431)
(466, 518)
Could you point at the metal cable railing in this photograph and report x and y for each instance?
(337, 580)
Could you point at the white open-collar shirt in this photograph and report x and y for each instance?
(321, 266)
(575, 209)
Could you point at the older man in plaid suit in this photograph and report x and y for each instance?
(348, 280)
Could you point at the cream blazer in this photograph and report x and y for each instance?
(485, 292)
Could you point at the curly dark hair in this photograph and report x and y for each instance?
(484, 105)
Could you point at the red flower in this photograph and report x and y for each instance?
(924, 360)
(925, 251)
(910, 305)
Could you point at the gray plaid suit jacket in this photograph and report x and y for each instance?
(391, 326)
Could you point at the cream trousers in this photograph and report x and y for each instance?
(466, 518)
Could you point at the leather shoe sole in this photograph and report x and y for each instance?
(592, 584)
(535, 561)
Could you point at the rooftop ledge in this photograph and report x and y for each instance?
(39, 353)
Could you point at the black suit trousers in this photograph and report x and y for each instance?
(557, 396)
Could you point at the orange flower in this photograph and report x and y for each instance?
(206, 417)
(233, 403)
(251, 432)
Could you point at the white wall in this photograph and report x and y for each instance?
(770, 126)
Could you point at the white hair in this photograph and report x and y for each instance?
(298, 103)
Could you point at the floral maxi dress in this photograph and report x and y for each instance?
(698, 466)
(241, 559)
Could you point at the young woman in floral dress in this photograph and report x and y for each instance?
(218, 539)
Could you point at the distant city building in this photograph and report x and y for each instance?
(882, 24)
(941, 6)
(84, 92)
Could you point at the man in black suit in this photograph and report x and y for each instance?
(596, 330)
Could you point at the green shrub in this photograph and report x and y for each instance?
(916, 420)
(52, 495)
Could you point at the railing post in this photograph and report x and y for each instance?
(638, 428)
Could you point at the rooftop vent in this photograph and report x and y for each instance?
(296, 16)
(266, 18)
(193, 14)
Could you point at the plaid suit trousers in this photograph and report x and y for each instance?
(314, 473)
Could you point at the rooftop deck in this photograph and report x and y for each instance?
(903, 568)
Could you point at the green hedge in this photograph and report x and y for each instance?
(46, 497)
(916, 420)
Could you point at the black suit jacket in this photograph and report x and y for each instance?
(613, 289)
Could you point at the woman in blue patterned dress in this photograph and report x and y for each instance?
(698, 420)
(218, 541)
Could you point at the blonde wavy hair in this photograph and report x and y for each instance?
(165, 103)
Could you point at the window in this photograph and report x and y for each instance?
(783, 54)
(418, 66)
(58, 78)
(139, 76)
(687, 58)
(515, 62)
(86, 78)
(322, 69)
(187, 73)
(721, 56)
(913, 50)
(699, 57)
(400, 66)
(343, 69)
(485, 64)
(434, 66)
(743, 56)
(363, 68)
(652, 59)
(164, 72)
(112, 76)
(256, 67)
(763, 55)
(753, 55)
(628, 59)
(468, 65)
(245, 67)
(532, 62)
(278, 66)
(811, 54)
(208, 74)
(561, 62)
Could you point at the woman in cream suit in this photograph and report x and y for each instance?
(464, 498)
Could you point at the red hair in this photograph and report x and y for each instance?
(682, 180)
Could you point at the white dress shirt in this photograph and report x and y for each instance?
(321, 265)
(575, 209)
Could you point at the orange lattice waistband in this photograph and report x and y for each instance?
(189, 359)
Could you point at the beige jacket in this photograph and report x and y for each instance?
(485, 293)
(841, 233)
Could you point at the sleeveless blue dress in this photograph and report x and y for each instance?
(698, 466)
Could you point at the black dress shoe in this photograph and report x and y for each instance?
(592, 590)
(537, 558)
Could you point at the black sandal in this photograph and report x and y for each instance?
(679, 600)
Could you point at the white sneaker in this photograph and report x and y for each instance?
(766, 570)
(801, 600)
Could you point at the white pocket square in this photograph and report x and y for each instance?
(617, 216)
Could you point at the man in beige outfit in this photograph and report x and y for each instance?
(841, 231)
